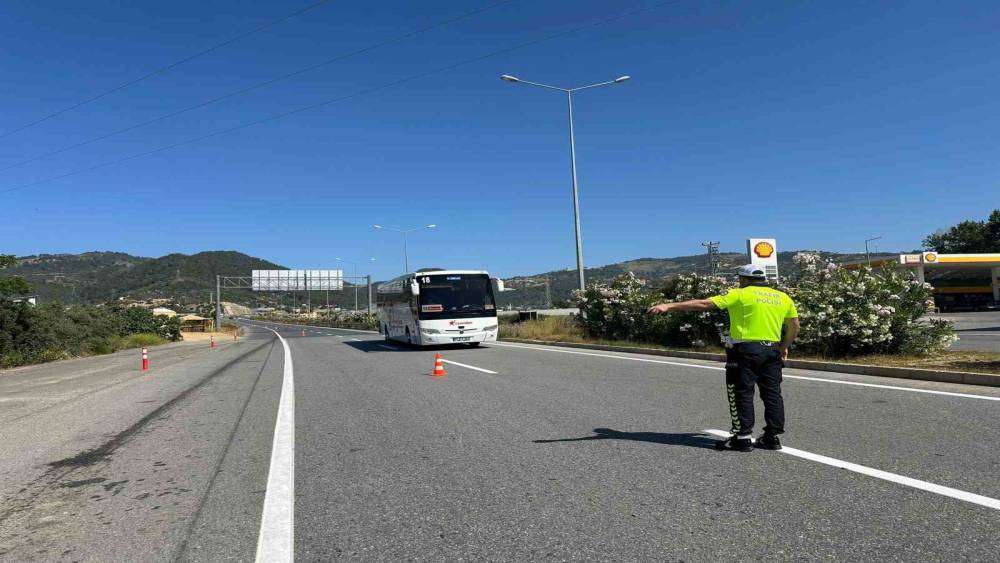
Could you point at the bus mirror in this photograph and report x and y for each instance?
(414, 287)
(498, 284)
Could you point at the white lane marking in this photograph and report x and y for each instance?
(468, 366)
(356, 340)
(276, 541)
(885, 475)
(786, 375)
(388, 347)
(910, 389)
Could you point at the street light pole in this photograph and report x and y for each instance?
(355, 282)
(868, 257)
(572, 156)
(404, 232)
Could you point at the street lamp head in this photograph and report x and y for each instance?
(509, 78)
(430, 226)
(377, 226)
(339, 259)
(621, 79)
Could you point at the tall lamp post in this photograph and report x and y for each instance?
(404, 232)
(355, 264)
(572, 156)
(868, 256)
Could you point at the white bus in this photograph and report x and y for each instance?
(435, 306)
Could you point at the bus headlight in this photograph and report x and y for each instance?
(491, 327)
(430, 331)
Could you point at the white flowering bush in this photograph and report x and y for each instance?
(849, 312)
(617, 310)
(697, 329)
(843, 312)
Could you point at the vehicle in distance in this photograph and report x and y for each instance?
(435, 306)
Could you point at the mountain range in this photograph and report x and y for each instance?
(97, 277)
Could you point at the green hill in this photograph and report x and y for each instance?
(96, 277)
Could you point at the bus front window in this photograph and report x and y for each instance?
(456, 296)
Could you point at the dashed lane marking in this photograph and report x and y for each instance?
(453, 362)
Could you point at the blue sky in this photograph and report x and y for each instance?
(817, 123)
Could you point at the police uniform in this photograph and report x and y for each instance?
(756, 316)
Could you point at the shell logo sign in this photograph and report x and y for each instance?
(763, 249)
(930, 257)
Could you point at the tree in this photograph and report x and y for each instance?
(12, 285)
(968, 237)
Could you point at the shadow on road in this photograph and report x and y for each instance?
(671, 439)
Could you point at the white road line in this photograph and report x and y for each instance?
(885, 475)
(786, 375)
(276, 541)
(468, 366)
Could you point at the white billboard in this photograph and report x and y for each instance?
(763, 252)
(296, 280)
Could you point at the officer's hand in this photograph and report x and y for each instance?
(784, 354)
(658, 309)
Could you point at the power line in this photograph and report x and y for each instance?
(358, 94)
(260, 85)
(163, 69)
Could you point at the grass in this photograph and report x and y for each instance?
(94, 347)
(139, 340)
(563, 329)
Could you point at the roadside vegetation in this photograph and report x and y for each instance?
(857, 316)
(567, 329)
(31, 335)
(333, 319)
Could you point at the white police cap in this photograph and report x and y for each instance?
(751, 271)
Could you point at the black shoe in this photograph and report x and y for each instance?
(768, 442)
(734, 444)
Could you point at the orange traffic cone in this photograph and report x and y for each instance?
(211, 339)
(303, 332)
(438, 366)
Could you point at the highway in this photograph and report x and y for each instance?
(519, 453)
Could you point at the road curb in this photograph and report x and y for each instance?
(965, 377)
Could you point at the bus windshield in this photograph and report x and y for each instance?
(456, 296)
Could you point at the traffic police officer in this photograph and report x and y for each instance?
(755, 353)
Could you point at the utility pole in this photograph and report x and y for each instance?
(712, 248)
(218, 302)
(548, 293)
(368, 278)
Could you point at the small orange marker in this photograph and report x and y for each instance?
(145, 360)
(211, 340)
(438, 366)
(303, 332)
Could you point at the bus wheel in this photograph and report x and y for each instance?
(385, 332)
(409, 339)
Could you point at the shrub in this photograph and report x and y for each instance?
(850, 312)
(843, 312)
(617, 310)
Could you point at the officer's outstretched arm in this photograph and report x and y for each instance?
(692, 305)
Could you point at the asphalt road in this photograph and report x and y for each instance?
(979, 331)
(519, 453)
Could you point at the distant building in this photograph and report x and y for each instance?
(962, 282)
(164, 312)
